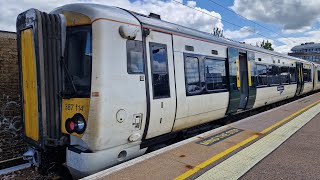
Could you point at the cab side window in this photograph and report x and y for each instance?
(159, 70)
(135, 63)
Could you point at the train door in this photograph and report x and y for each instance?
(162, 96)
(242, 80)
(300, 82)
(244, 83)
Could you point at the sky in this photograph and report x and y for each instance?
(284, 23)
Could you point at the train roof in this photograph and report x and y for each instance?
(96, 11)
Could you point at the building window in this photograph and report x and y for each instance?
(215, 75)
(318, 75)
(284, 75)
(273, 75)
(159, 69)
(135, 63)
(262, 76)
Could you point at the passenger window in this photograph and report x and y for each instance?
(307, 75)
(159, 69)
(215, 75)
(273, 75)
(192, 74)
(135, 63)
(284, 75)
(262, 76)
(293, 75)
(319, 75)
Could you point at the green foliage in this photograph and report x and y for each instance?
(218, 32)
(266, 45)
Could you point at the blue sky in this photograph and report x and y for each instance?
(294, 21)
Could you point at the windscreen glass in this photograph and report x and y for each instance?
(78, 61)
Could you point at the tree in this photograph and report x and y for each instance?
(266, 45)
(218, 32)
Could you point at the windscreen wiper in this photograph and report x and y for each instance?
(68, 76)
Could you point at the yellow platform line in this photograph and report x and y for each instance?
(244, 142)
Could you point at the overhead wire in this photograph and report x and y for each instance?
(251, 20)
(248, 29)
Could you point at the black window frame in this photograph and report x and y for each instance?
(199, 75)
(318, 75)
(225, 68)
(129, 49)
(309, 75)
(67, 83)
(257, 76)
(151, 45)
(279, 80)
(288, 75)
(201, 70)
(295, 73)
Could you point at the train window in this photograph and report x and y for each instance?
(318, 75)
(192, 75)
(273, 75)
(215, 74)
(307, 75)
(135, 63)
(284, 75)
(78, 59)
(293, 75)
(262, 75)
(159, 69)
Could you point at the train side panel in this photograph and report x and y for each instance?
(196, 109)
(274, 93)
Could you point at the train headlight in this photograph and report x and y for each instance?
(76, 124)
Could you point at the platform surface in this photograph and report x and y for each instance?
(251, 148)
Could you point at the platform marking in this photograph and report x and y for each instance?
(237, 165)
(219, 137)
(237, 146)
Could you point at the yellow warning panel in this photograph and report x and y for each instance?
(72, 106)
(29, 81)
(249, 74)
(238, 72)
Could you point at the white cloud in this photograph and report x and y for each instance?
(169, 11)
(241, 33)
(291, 14)
(289, 42)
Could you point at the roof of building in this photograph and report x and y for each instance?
(306, 46)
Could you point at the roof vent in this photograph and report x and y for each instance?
(156, 16)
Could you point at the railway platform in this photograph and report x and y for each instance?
(281, 143)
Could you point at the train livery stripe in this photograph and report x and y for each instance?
(241, 144)
(29, 82)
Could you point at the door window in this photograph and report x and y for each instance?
(159, 70)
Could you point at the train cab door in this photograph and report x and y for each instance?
(300, 82)
(161, 85)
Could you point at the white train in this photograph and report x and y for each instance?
(102, 84)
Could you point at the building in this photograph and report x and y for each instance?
(308, 51)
